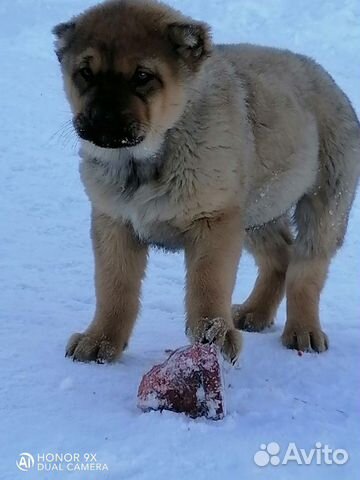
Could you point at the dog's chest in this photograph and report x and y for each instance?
(156, 210)
(161, 204)
(153, 215)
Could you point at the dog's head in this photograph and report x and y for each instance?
(128, 67)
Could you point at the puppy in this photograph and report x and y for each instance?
(208, 148)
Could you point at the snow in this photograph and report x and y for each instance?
(50, 404)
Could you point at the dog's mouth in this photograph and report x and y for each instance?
(114, 142)
(126, 137)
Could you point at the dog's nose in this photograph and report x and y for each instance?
(101, 117)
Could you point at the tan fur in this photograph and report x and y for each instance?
(236, 138)
(271, 247)
(211, 273)
(120, 263)
(304, 282)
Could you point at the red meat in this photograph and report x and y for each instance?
(189, 381)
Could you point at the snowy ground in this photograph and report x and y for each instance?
(50, 404)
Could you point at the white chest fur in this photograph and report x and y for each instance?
(183, 192)
(115, 191)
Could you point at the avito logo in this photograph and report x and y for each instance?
(270, 454)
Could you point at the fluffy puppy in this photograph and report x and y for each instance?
(187, 144)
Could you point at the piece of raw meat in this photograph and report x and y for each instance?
(189, 381)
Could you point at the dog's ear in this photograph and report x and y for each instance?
(191, 41)
(63, 33)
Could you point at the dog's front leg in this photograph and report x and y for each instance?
(212, 253)
(120, 261)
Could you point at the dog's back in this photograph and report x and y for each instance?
(284, 71)
(276, 82)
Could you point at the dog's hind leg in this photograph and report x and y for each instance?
(321, 218)
(270, 244)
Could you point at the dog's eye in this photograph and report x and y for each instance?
(141, 77)
(86, 73)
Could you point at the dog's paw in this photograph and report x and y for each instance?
(216, 330)
(250, 321)
(232, 345)
(87, 347)
(305, 340)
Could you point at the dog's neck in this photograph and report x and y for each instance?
(126, 167)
